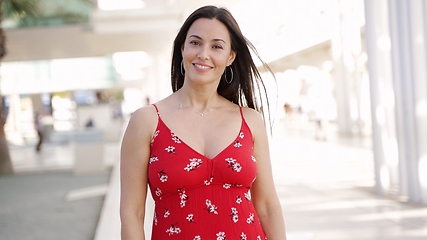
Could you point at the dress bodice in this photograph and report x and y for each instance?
(197, 197)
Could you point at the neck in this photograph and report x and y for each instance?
(198, 101)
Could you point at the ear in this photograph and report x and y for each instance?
(231, 58)
(182, 52)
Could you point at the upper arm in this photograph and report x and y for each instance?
(134, 156)
(263, 189)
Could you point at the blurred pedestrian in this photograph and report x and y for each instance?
(39, 128)
(203, 150)
(89, 123)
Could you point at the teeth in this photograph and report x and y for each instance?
(200, 66)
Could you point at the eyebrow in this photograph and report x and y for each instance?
(215, 39)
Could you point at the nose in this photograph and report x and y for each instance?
(203, 53)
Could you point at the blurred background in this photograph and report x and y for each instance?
(349, 106)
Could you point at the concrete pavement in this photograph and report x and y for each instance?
(325, 187)
(46, 200)
(326, 190)
(48, 206)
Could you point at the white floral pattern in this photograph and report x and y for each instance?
(158, 192)
(173, 230)
(211, 208)
(156, 133)
(153, 159)
(241, 135)
(208, 182)
(238, 200)
(251, 218)
(155, 219)
(248, 196)
(170, 149)
(220, 236)
(175, 138)
(190, 189)
(183, 197)
(233, 164)
(163, 176)
(234, 215)
(166, 214)
(190, 217)
(194, 164)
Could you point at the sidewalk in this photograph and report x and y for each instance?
(45, 200)
(45, 206)
(325, 189)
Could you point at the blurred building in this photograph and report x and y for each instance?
(102, 62)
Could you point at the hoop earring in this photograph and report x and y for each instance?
(225, 75)
(182, 68)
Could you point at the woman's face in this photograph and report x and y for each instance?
(206, 51)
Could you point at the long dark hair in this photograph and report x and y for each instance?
(245, 73)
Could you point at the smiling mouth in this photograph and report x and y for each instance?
(201, 66)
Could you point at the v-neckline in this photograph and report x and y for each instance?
(194, 150)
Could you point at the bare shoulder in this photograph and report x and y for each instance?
(143, 121)
(255, 121)
(145, 113)
(253, 117)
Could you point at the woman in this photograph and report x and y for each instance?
(203, 151)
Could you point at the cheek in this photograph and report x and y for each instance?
(188, 50)
(225, 60)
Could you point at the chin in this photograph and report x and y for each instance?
(202, 79)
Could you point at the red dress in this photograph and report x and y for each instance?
(198, 198)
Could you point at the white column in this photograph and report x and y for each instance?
(382, 96)
(408, 36)
(343, 61)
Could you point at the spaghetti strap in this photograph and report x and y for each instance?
(241, 114)
(157, 110)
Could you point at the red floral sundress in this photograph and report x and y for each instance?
(198, 198)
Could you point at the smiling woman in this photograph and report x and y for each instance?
(206, 51)
(203, 151)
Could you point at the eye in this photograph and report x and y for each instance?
(193, 42)
(217, 47)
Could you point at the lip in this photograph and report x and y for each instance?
(201, 66)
